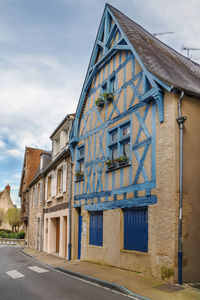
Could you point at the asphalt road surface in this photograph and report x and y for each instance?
(23, 278)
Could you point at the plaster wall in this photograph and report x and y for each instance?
(191, 190)
(50, 232)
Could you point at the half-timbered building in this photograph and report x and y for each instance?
(125, 147)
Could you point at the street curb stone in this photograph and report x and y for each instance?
(103, 283)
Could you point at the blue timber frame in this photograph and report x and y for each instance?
(151, 96)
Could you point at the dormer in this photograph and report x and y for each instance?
(60, 136)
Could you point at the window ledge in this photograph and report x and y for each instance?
(49, 200)
(81, 179)
(135, 252)
(59, 196)
(118, 167)
(95, 246)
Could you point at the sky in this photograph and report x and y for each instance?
(45, 47)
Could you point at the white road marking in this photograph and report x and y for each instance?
(37, 269)
(14, 274)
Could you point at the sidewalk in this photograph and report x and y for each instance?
(136, 283)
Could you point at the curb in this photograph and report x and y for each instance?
(110, 285)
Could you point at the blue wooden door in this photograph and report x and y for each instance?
(79, 235)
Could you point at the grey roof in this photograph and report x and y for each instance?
(161, 60)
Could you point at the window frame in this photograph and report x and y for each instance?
(121, 140)
(81, 158)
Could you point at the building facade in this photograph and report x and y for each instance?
(125, 147)
(57, 192)
(29, 169)
(36, 204)
(5, 204)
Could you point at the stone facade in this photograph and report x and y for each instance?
(57, 192)
(5, 203)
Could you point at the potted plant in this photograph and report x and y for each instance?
(79, 175)
(110, 163)
(100, 101)
(108, 96)
(123, 160)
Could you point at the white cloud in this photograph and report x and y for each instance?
(14, 152)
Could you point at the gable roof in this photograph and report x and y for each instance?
(161, 60)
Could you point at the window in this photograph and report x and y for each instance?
(119, 141)
(104, 88)
(38, 193)
(96, 228)
(60, 181)
(49, 182)
(136, 229)
(80, 160)
(112, 84)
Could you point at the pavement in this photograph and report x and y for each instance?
(128, 282)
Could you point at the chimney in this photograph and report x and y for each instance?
(8, 188)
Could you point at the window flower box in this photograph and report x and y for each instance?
(100, 102)
(79, 175)
(111, 164)
(123, 160)
(108, 96)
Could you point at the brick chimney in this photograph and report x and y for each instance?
(8, 188)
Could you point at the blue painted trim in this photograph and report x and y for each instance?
(92, 195)
(122, 47)
(153, 146)
(111, 34)
(126, 203)
(129, 58)
(148, 74)
(101, 44)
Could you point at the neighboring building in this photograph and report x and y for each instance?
(125, 212)
(36, 204)
(5, 204)
(29, 169)
(57, 192)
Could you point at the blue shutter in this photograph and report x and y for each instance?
(136, 229)
(96, 228)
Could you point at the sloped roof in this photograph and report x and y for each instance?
(161, 60)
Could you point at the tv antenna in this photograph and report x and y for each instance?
(188, 49)
(161, 33)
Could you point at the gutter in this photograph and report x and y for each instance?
(180, 120)
(70, 210)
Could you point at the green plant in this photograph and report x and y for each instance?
(108, 96)
(79, 173)
(13, 217)
(100, 101)
(12, 235)
(110, 162)
(122, 158)
(166, 272)
(2, 215)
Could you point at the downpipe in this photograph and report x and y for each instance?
(180, 120)
(70, 210)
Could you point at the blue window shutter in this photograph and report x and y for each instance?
(96, 228)
(136, 229)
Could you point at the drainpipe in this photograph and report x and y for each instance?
(180, 120)
(70, 210)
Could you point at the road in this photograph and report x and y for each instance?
(23, 278)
